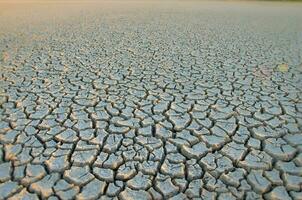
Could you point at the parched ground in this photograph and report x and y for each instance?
(151, 100)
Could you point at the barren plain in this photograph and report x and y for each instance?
(150, 100)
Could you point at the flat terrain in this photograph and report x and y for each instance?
(151, 100)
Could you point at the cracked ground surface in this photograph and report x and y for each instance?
(151, 100)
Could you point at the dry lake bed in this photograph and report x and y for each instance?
(150, 100)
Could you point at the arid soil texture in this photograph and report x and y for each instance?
(150, 100)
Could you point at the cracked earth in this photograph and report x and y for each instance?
(151, 100)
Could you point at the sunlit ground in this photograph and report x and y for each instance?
(150, 100)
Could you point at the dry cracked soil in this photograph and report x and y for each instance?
(150, 100)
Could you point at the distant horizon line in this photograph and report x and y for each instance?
(86, 1)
